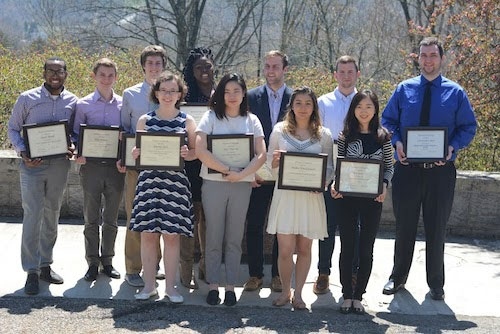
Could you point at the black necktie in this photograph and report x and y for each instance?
(426, 106)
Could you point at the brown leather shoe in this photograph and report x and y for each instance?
(253, 284)
(187, 277)
(276, 284)
(322, 284)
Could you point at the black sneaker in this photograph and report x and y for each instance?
(48, 275)
(230, 298)
(213, 297)
(31, 287)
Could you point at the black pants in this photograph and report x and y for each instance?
(368, 211)
(432, 190)
(260, 200)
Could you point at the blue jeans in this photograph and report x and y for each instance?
(42, 191)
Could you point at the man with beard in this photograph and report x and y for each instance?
(42, 180)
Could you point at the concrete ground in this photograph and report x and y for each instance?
(472, 278)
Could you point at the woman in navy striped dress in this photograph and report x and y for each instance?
(162, 204)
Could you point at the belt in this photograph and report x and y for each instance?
(424, 165)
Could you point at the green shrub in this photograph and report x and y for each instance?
(20, 72)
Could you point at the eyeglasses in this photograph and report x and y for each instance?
(168, 92)
(60, 72)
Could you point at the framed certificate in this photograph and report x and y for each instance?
(426, 144)
(46, 140)
(302, 171)
(359, 177)
(98, 142)
(159, 150)
(266, 175)
(235, 151)
(126, 145)
(194, 109)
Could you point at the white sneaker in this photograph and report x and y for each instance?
(134, 280)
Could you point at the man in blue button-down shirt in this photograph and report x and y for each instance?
(42, 181)
(429, 186)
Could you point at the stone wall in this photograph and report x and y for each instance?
(476, 209)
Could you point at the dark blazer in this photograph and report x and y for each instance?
(258, 103)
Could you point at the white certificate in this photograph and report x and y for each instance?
(426, 144)
(235, 151)
(47, 140)
(127, 145)
(302, 171)
(160, 150)
(99, 142)
(359, 177)
(195, 110)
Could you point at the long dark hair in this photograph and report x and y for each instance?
(351, 123)
(194, 94)
(217, 102)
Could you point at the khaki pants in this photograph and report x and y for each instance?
(188, 245)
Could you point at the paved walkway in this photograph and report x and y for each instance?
(472, 276)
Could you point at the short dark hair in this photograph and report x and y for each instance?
(277, 53)
(164, 77)
(346, 60)
(217, 102)
(427, 41)
(154, 50)
(53, 59)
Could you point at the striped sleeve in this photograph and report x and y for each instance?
(388, 161)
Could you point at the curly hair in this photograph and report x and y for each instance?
(194, 94)
(289, 122)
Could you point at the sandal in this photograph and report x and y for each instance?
(346, 306)
(298, 304)
(357, 307)
(278, 302)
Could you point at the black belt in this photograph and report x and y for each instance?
(425, 165)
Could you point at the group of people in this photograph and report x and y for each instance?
(217, 202)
